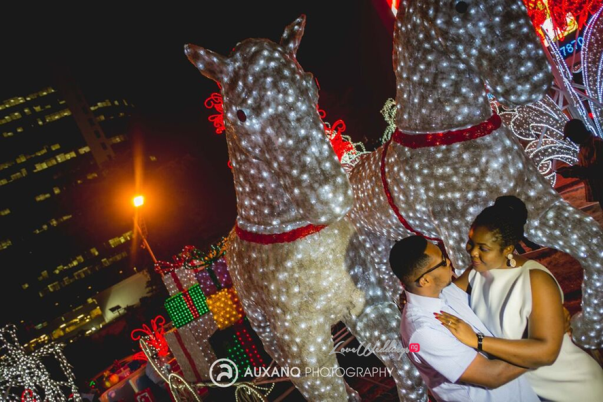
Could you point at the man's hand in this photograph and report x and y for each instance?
(459, 328)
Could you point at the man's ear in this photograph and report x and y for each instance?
(424, 282)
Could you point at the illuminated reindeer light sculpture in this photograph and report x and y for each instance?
(450, 157)
(298, 264)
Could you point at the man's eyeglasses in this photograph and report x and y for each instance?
(443, 263)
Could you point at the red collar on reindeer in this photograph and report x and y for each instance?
(415, 141)
(286, 237)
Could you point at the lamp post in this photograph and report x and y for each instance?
(138, 202)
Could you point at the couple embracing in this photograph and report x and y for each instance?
(498, 331)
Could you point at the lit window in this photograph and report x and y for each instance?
(4, 212)
(40, 166)
(53, 287)
(25, 286)
(55, 147)
(82, 273)
(42, 197)
(4, 244)
(56, 190)
(84, 150)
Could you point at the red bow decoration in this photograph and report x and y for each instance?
(156, 337)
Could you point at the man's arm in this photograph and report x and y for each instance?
(490, 373)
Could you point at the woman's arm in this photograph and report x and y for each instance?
(463, 280)
(545, 328)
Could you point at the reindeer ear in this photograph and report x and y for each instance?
(293, 34)
(211, 64)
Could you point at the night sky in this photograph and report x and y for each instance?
(135, 51)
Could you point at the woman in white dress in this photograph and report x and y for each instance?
(521, 303)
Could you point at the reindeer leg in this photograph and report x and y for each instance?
(568, 229)
(379, 327)
(318, 378)
(307, 351)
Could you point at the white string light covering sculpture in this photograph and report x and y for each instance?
(539, 127)
(26, 375)
(450, 157)
(298, 265)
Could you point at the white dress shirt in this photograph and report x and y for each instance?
(442, 359)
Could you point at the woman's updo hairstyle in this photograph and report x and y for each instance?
(506, 218)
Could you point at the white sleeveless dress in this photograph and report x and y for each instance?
(502, 299)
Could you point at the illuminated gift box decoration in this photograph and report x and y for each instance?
(220, 270)
(214, 277)
(179, 279)
(207, 283)
(241, 345)
(186, 306)
(225, 307)
(248, 344)
(190, 346)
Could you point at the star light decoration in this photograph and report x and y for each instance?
(450, 157)
(298, 264)
(26, 374)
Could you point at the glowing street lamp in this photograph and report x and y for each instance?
(138, 202)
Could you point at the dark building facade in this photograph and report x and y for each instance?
(56, 152)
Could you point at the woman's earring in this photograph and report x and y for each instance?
(511, 261)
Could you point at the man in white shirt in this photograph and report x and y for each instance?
(451, 370)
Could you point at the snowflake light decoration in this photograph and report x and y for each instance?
(539, 127)
(27, 375)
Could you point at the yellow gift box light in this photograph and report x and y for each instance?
(225, 307)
